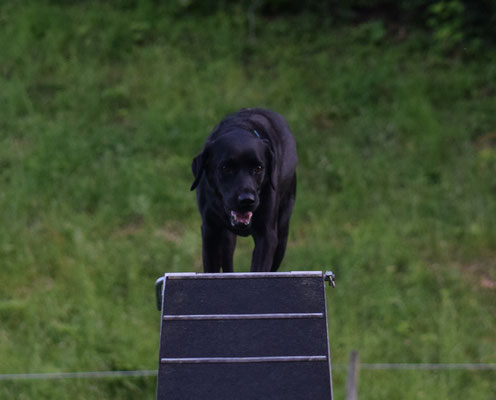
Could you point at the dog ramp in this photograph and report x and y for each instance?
(244, 336)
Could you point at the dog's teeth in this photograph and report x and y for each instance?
(233, 218)
(241, 218)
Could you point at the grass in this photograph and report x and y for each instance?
(102, 110)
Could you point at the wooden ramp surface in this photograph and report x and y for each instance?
(244, 336)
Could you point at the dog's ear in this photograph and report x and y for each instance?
(271, 161)
(199, 163)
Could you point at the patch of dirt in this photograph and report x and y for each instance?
(482, 273)
(171, 231)
(486, 141)
(129, 229)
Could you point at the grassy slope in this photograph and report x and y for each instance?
(101, 113)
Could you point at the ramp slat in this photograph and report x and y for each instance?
(210, 317)
(233, 360)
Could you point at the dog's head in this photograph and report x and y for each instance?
(238, 165)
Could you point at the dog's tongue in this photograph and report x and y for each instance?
(240, 217)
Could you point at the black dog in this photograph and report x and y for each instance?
(246, 185)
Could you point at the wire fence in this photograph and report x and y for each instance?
(146, 373)
(355, 366)
(78, 375)
(468, 366)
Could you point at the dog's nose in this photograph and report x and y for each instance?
(246, 199)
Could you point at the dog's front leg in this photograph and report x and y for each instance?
(217, 249)
(210, 249)
(263, 254)
(228, 245)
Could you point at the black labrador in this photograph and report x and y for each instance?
(245, 184)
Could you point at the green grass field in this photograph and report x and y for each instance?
(102, 110)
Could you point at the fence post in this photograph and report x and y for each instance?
(352, 378)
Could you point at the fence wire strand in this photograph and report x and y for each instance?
(430, 367)
(147, 373)
(78, 375)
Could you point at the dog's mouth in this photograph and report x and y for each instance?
(241, 218)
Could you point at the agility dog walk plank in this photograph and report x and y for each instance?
(244, 336)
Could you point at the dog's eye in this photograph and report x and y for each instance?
(258, 169)
(226, 169)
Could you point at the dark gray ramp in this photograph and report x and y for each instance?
(244, 336)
